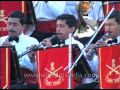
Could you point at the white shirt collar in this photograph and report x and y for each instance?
(21, 35)
(118, 39)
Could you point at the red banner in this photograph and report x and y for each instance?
(51, 68)
(109, 67)
(4, 68)
(109, 6)
(5, 8)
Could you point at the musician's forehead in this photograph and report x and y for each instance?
(13, 20)
(112, 20)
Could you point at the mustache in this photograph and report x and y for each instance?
(57, 33)
(12, 31)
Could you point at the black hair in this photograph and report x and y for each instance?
(18, 14)
(116, 15)
(70, 20)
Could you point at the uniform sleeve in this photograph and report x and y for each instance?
(2, 39)
(25, 63)
(94, 64)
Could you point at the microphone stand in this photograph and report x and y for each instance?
(91, 39)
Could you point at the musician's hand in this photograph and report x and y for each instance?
(90, 47)
(90, 51)
(32, 54)
(6, 43)
(47, 42)
(101, 43)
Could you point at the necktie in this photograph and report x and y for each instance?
(112, 41)
(11, 39)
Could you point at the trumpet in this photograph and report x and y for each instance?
(92, 49)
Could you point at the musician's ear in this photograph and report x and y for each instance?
(72, 29)
(119, 26)
(24, 26)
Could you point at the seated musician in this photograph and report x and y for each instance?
(65, 24)
(15, 27)
(46, 13)
(112, 26)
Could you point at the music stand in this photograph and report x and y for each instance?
(82, 67)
